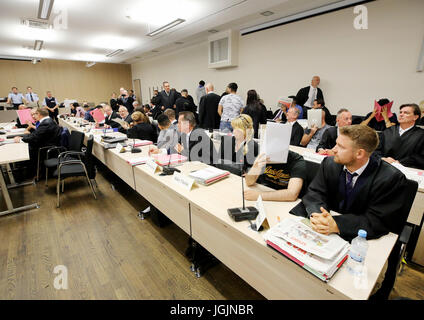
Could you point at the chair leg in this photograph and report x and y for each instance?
(58, 191)
(63, 186)
(92, 188)
(47, 175)
(38, 166)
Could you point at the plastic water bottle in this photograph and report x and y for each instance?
(357, 253)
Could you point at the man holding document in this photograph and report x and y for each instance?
(277, 167)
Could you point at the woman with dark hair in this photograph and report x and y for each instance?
(255, 110)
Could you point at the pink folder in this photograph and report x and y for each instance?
(378, 115)
(98, 115)
(25, 115)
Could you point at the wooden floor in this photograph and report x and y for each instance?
(111, 254)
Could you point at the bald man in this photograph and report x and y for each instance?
(208, 109)
(306, 96)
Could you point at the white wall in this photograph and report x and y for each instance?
(355, 66)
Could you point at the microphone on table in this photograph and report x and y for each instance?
(242, 213)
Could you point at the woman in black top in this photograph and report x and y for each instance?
(141, 128)
(255, 111)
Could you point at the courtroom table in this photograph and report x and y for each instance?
(202, 214)
(11, 153)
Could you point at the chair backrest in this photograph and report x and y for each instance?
(311, 171)
(76, 141)
(227, 149)
(64, 137)
(357, 119)
(409, 194)
(88, 159)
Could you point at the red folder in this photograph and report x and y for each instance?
(25, 115)
(97, 115)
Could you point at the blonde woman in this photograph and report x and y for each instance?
(141, 128)
(246, 148)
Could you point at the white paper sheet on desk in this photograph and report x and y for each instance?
(410, 174)
(276, 142)
(120, 121)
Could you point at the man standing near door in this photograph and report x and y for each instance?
(52, 106)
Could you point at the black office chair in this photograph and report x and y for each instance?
(396, 256)
(62, 140)
(76, 142)
(76, 167)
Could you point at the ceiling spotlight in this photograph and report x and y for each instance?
(44, 9)
(34, 61)
(38, 44)
(267, 13)
(165, 27)
(179, 42)
(213, 31)
(90, 64)
(155, 51)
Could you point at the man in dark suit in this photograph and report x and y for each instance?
(297, 130)
(208, 109)
(404, 143)
(167, 97)
(305, 97)
(183, 103)
(124, 115)
(47, 134)
(194, 142)
(126, 100)
(329, 137)
(366, 191)
(110, 115)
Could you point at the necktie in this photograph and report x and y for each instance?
(278, 115)
(349, 184)
(32, 99)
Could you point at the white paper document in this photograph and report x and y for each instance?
(207, 173)
(411, 174)
(120, 121)
(315, 118)
(276, 142)
(302, 236)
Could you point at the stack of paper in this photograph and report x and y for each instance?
(209, 175)
(137, 161)
(319, 254)
(313, 157)
(165, 159)
(411, 174)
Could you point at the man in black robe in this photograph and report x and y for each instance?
(329, 137)
(404, 143)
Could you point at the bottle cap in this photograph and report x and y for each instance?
(362, 233)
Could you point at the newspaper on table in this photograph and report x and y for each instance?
(304, 237)
(411, 174)
(120, 121)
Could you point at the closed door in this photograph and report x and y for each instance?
(137, 90)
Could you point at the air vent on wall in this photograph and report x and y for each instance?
(32, 23)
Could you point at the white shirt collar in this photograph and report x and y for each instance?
(402, 131)
(359, 171)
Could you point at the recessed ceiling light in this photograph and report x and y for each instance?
(213, 31)
(45, 8)
(90, 64)
(155, 51)
(165, 27)
(267, 13)
(38, 44)
(137, 57)
(179, 42)
(114, 53)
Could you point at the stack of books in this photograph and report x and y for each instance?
(138, 161)
(169, 159)
(140, 143)
(321, 255)
(209, 175)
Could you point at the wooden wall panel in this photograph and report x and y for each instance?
(66, 79)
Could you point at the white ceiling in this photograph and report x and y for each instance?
(94, 28)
